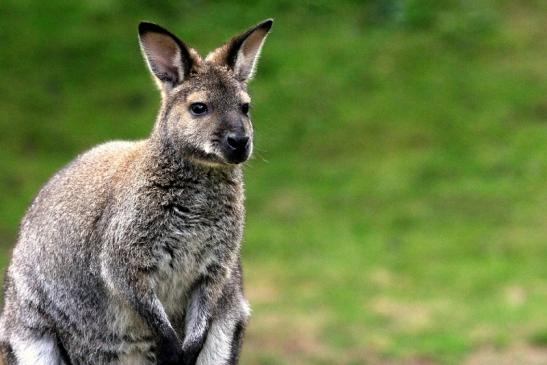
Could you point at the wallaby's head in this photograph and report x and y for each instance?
(205, 105)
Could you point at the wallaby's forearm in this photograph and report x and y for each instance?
(226, 326)
(131, 283)
(197, 324)
(200, 308)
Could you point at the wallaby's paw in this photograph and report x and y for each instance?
(170, 354)
(191, 353)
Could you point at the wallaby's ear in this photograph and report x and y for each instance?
(168, 58)
(241, 52)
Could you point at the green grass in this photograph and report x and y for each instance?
(397, 197)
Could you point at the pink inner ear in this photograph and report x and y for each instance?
(162, 50)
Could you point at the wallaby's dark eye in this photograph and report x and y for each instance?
(245, 108)
(198, 108)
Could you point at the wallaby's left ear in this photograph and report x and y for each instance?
(241, 52)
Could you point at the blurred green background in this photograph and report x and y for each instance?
(397, 199)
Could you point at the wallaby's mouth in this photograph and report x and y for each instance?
(237, 148)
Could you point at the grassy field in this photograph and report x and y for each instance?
(397, 199)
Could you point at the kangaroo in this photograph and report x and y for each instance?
(131, 253)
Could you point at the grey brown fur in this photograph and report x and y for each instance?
(131, 253)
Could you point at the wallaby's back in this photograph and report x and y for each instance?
(58, 226)
(55, 260)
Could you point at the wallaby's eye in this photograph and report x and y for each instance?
(198, 108)
(245, 108)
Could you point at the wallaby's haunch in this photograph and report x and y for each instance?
(131, 253)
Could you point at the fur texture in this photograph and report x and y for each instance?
(130, 254)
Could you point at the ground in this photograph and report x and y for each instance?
(396, 198)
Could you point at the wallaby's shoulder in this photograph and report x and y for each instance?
(88, 179)
(109, 157)
(102, 163)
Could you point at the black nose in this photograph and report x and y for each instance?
(237, 142)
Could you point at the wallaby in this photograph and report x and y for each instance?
(131, 253)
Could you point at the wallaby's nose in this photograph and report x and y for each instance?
(237, 142)
(237, 147)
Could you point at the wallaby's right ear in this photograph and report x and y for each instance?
(168, 58)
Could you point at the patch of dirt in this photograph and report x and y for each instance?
(382, 277)
(412, 316)
(521, 355)
(278, 332)
(515, 295)
(261, 291)
(294, 338)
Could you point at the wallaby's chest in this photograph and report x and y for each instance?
(199, 214)
(201, 227)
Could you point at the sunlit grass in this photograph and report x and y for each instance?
(396, 200)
